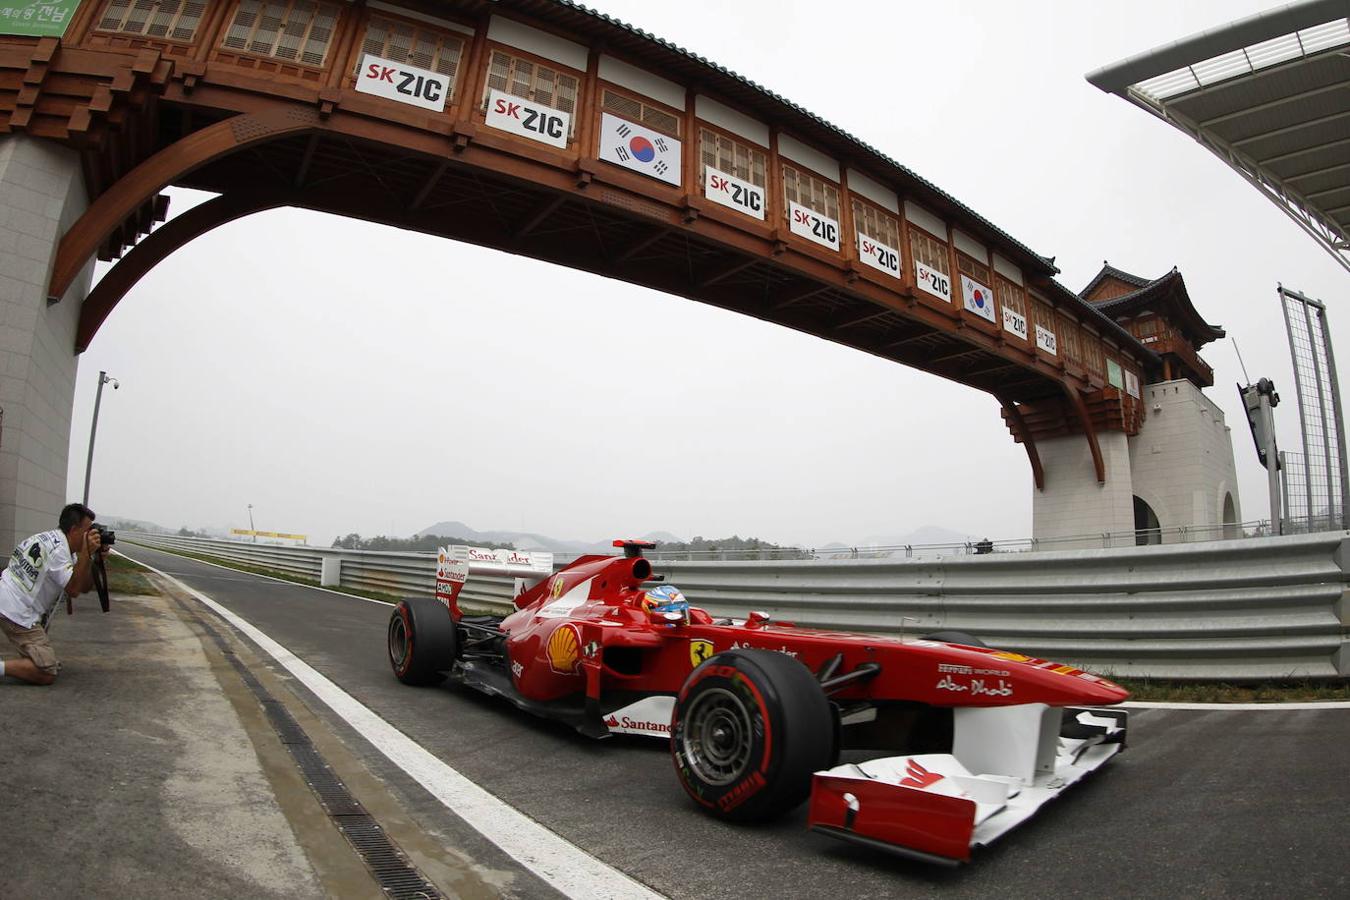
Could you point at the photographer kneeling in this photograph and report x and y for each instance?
(42, 567)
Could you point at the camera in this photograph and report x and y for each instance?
(106, 535)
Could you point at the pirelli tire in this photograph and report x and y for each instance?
(422, 641)
(749, 729)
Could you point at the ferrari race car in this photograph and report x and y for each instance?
(955, 743)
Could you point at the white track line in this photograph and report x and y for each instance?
(1244, 707)
(563, 865)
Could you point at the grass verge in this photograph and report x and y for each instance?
(126, 576)
(1162, 691)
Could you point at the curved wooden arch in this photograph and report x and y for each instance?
(1029, 442)
(129, 192)
(1085, 418)
(157, 247)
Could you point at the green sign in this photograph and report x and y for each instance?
(36, 18)
(1114, 376)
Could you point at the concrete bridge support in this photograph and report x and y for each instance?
(1180, 466)
(42, 193)
(1073, 502)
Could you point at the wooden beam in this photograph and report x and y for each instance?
(429, 185)
(1085, 419)
(870, 317)
(803, 294)
(146, 180)
(1015, 416)
(310, 146)
(642, 243)
(539, 216)
(731, 268)
(122, 277)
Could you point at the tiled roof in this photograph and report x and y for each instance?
(1110, 271)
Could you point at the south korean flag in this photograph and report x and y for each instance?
(640, 149)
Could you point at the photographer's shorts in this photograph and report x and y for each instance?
(32, 643)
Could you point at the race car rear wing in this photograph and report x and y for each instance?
(455, 563)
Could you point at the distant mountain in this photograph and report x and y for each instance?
(662, 537)
(521, 540)
(928, 534)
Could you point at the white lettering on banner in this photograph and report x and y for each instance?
(933, 281)
(640, 149)
(742, 196)
(406, 84)
(878, 255)
(650, 716)
(979, 299)
(1045, 339)
(528, 119)
(1132, 383)
(813, 226)
(1015, 322)
(453, 560)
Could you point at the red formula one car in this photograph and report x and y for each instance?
(957, 743)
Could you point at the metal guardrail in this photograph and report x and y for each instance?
(1259, 608)
(1101, 540)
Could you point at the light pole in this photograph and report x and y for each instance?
(250, 523)
(93, 429)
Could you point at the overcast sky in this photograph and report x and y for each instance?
(335, 375)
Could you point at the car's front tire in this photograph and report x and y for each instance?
(750, 727)
(422, 641)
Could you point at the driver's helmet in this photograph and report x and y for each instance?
(666, 604)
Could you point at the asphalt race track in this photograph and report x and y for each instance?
(1211, 803)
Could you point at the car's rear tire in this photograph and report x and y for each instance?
(956, 637)
(422, 641)
(750, 726)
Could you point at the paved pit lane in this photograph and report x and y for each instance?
(1205, 803)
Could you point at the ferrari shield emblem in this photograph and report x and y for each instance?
(699, 651)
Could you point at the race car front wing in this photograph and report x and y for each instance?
(1006, 763)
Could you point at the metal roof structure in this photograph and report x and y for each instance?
(1270, 96)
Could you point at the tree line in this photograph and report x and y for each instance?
(380, 542)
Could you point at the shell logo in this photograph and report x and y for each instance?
(564, 650)
(1011, 657)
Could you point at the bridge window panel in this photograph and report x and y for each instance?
(1013, 302)
(1070, 347)
(1043, 329)
(929, 250)
(640, 112)
(800, 186)
(174, 20)
(425, 48)
(733, 157)
(874, 223)
(532, 81)
(1093, 357)
(972, 267)
(299, 31)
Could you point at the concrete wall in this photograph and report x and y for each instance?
(42, 193)
(1073, 502)
(1182, 459)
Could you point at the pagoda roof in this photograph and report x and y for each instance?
(1165, 295)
